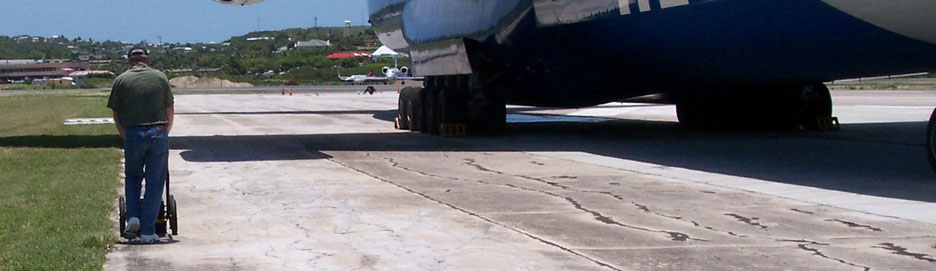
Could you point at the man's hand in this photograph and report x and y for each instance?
(170, 113)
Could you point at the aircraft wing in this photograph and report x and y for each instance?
(363, 78)
(375, 79)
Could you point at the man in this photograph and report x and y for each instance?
(143, 110)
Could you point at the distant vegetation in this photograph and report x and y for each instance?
(236, 59)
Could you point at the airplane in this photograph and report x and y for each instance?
(723, 63)
(391, 75)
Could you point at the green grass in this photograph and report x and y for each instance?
(57, 183)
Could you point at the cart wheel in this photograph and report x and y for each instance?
(162, 224)
(122, 214)
(173, 215)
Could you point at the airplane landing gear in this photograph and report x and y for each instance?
(452, 106)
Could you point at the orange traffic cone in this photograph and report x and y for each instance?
(290, 92)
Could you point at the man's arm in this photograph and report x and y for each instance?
(120, 129)
(170, 113)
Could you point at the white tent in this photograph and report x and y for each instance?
(385, 51)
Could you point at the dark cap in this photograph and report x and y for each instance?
(138, 51)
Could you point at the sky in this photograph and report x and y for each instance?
(180, 21)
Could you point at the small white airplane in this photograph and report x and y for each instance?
(391, 75)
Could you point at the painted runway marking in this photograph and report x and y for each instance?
(89, 121)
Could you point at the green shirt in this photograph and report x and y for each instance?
(140, 96)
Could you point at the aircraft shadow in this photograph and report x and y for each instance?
(881, 159)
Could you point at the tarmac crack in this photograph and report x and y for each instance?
(473, 163)
(486, 219)
(855, 225)
(819, 253)
(898, 250)
(646, 209)
(748, 220)
(673, 235)
(801, 211)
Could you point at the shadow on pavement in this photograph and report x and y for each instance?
(886, 159)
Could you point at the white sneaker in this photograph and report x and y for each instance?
(133, 228)
(149, 239)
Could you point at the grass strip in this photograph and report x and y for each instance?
(57, 183)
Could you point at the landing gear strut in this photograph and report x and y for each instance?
(452, 106)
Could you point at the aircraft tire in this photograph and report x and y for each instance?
(697, 116)
(689, 116)
(818, 102)
(453, 101)
(431, 108)
(122, 215)
(419, 115)
(779, 109)
(173, 211)
(414, 110)
(402, 110)
(931, 140)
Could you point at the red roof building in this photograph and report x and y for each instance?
(344, 55)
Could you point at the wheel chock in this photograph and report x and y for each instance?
(453, 130)
(829, 124)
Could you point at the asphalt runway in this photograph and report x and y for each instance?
(321, 181)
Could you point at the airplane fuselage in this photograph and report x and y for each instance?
(586, 52)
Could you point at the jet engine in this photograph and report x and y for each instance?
(405, 71)
(385, 70)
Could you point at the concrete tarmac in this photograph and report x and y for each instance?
(322, 181)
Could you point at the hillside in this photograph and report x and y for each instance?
(243, 58)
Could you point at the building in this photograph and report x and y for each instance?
(4, 62)
(312, 44)
(259, 38)
(347, 28)
(38, 69)
(79, 76)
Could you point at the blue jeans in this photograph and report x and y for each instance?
(146, 151)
